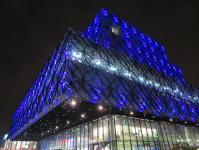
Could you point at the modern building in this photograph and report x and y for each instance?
(110, 87)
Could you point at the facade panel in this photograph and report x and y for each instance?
(112, 64)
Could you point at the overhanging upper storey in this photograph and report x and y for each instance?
(80, 67)
(112, 32)
(111, 62)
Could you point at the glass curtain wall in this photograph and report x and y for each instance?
(115, 132)
(20, 145)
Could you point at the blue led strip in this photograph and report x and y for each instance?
(113, 72)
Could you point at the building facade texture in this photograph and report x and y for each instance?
(112, 63)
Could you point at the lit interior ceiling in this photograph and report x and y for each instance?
(73, 113)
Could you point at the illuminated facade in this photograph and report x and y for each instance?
(113, 66)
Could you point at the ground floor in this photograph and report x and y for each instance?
(117, 132)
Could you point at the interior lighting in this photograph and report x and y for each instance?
(141, 79)
(113, 68)
(115, 30)
(100, 107)
(97, 62)
(73, 103)
(44, 78)
(77, 54)
(56, 127)
(83, 115)
(131, 113)
(5, 136)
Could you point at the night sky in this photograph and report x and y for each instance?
(31, 29)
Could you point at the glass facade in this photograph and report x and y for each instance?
(116, 132)
(20, 145)
(125, 67)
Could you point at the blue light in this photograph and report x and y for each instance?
(147, 80)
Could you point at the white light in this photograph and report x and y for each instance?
(113, 68)
(82, 115)
(77, 54)
(5, 136)
(97, 62)
(100, 107)
(56, 127)
(68, 122)
(48, 131)
(73, 103)
(141, 79)
(115, 30)
(131, 113)
(127, 74)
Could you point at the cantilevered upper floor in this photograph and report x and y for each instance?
(113, 63)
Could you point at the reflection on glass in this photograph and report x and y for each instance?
(86, 134)
(82, 135)
(115, 132)
(100, 130)
(95, 131)
(105, 128)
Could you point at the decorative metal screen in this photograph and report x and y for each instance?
(101, 65)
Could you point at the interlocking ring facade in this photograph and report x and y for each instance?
(114, 63)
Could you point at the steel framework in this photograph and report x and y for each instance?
(114, 63)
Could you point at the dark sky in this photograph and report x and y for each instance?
(31, 29)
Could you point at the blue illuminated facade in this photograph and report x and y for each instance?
(114, 63)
